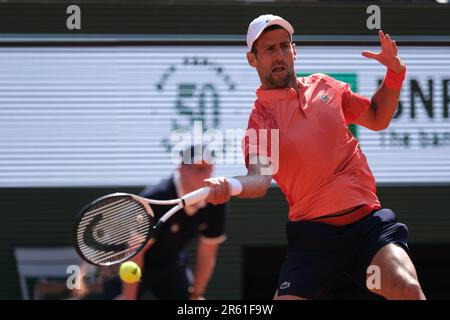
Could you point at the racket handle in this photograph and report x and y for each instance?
(196, 196)
(202, 194)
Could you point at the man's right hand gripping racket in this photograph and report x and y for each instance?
(115, 227)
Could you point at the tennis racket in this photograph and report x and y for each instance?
(115, 227)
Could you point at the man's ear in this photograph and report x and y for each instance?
(251, 58)
(295, 51)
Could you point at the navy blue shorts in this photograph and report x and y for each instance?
(319, 253)
(167, 282)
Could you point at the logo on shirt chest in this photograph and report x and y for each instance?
(324, 98)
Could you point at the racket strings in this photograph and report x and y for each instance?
(129, 240)
(127, 247)
(112, 220)
(102, 257)
(113, 230)
(119, 221)
(107, 210)
(130, 244)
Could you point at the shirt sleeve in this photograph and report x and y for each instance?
(257, 138)
(353, 104)
(216, 218)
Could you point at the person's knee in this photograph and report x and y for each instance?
(412, 290)
(407, 289)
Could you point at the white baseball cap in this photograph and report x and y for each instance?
(258, 25)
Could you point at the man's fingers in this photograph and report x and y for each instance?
(211, 198)
(394, 48)
(212, 192)
(386, 46)
(218, 193)
(385, 42)
(382, 39)
(370, 55)
(220, 190)
(224, 190)
(389, 44)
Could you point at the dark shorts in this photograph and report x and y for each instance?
(168, 282)
(318, 253)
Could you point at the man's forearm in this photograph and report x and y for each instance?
(384, 103)
(254, 186)
(203, 271)
(129, 291)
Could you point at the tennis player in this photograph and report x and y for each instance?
(336, 223)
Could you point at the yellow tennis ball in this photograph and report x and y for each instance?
(130, 272)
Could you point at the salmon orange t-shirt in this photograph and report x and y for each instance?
(319, 166)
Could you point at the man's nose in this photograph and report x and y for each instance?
(278, 54)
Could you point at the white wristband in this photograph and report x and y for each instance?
(235, 185)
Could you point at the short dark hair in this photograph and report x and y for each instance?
(269, 28)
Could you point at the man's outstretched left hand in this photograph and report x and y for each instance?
(388, 55)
